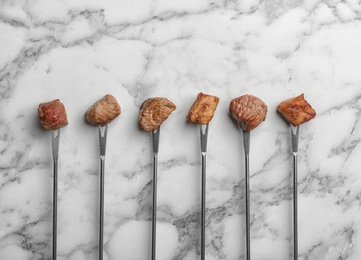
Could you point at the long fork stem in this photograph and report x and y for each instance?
(55, 137)
(55, 206)
(246, 143)
(294, 139)
(204, 136)
(102, 133)
(101, 207)
(295, 208)
(203, 210)
(154, 209)
(155, 140)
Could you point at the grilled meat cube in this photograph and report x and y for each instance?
(154, 112)
(203, 108)
(249, 111)
(52, 115)
(103, 111)
(296, 110)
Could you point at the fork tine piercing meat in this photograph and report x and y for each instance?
(203, 109)
(296, 110)
(249, 111)
(52, 115)
(154, 112)
(103, 111)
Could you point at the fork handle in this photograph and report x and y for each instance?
(101, 211)
(55, 207)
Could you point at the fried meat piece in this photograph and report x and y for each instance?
(154, 112)
(296, 110)
(52, 115)
(249, 111)
(203, 108)
(103, 111)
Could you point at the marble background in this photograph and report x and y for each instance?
(78, 51)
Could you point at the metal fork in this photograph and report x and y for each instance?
(246, 144)
(204, 135)
(155, 140)
(294, 138)
(102, 132)
(55, 137)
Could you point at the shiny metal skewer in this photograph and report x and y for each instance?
(55, 137)
(246, 144)
(155, 140)
(102, 132)
(294, 137)
(204, 136)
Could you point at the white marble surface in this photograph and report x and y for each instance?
(78, 51)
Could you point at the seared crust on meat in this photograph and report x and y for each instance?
(249, 111)
(296, 110)
(203, 108)
(154, 112)
(103, 111)
(52, 115)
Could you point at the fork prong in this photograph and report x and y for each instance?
(102, 133)
(204, 137)
(294, 137)
(55, 137)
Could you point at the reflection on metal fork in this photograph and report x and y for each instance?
(102, 132)
(204, 136)
(55, 137)
(155, 141)
(246, 144)
(294, 138)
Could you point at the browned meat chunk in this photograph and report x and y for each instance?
(154, 112)
(103, 111)
(249, 111)
(296, 110)
(52, 115)
(203, 108)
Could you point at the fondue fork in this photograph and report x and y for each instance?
(102, 132)
(55, 137)
(155, 141)
(246, 145)
(204, 136)
(294, 138)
